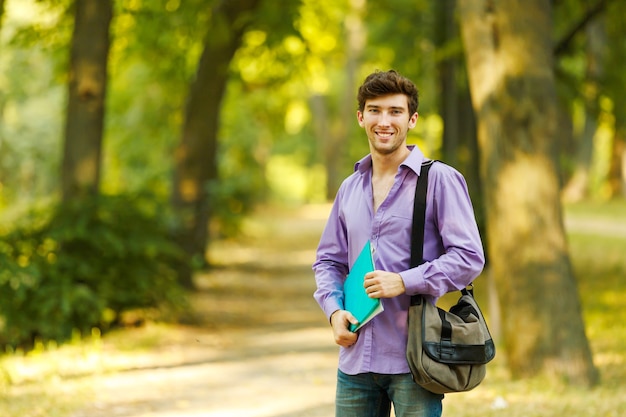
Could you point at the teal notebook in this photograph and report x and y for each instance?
(356, 300)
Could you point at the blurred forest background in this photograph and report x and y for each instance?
(133, 133)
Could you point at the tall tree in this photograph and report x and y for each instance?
(459, 144)
(508, 45)
(1, 12)
(87, 90)
(332, 127)
(1, 95)
(614, 80)
(196, 155)
(445, 35)
(617, 170)
(594, 28)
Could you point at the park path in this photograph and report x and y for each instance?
(259, 346)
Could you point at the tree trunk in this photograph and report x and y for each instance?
(196, 156)
(577, 187)
(87, 89)
(509, 52)
(445, 34)
(2, 98)
(327, 143)
(617, 169)
(460, 147)
(1, 12)
(334, 141)
(356, 39)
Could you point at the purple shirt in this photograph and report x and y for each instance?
(452, 249)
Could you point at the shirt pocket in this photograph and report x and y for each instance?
(397, 226)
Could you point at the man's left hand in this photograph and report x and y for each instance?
(383, 284)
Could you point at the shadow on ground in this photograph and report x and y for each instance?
(259, 346)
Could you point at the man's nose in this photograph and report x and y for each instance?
(384, 119)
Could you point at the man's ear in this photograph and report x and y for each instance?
(413, 120)
(359, 117)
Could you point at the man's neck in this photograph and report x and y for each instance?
(385, 165)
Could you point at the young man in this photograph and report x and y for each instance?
(375, 203)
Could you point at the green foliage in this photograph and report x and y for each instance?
(83, 265)
(294, 50)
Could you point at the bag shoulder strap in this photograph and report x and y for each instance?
(419, 216)
(419, 221)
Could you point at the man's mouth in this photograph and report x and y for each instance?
(384, 135)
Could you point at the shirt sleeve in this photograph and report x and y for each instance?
(331, 264)
(452, 246)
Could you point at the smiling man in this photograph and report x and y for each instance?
(375, 204)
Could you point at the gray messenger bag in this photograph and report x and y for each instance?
(447, 351)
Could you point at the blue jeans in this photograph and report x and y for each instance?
(371, 395)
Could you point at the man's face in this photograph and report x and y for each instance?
(386, 121)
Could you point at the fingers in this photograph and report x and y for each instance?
(342, 319)
(346, 343)
(340, 322)
(346, 338)
(382, 284)
(374, 287)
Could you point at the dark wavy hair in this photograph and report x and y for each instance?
(384, 83)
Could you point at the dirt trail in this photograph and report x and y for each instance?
(262, 347)
(259, 345)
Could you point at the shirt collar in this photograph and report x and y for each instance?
(413, 161)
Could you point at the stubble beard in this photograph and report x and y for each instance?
(384, 150)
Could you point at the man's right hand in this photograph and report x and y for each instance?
(340, 321)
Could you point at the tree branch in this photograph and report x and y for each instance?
(563, 45)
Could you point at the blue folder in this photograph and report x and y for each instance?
(356, 301)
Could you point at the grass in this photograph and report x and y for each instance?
(597, 239)
(29, 382)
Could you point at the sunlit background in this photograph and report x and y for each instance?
(248, 339)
